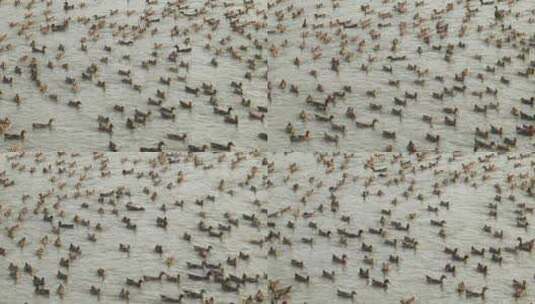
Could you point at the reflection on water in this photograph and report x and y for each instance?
(276, 189)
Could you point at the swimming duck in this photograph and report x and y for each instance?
(153, 278)
(153, 149)
(222, 111)
(168, 299)
(178, 137)
(364, 274)
(186, 104)
(74, 104)
(470, 294)
(480, 252)
(43, 125)
(231, 120)
(256, 115)
(340, 260)
(300, 138)
(194, 294)
(21, 136)
(94, 291)
(482, 268)
(112, 146)
(192, 148)
(134, 283)
(389, 134)
(380, 284)
(330, 138)
(301, 278)
(346, 294)
(366, 125)
(220, 147)
(431, 280)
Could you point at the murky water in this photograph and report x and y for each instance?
(467, 214)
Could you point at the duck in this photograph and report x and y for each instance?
(167, 114)
(389, 134)
(36, 125)
(498, 14)
(480, 109)
(221, 111)
(519, 285)
(192, 148)
(21, 136)
(153, 278)
(320, 117)
(177, 137)
(480, 252)
(449, 268)
(94, 291)
(368, 260)
(220, 147)
(153, 149)
(124, 294)
(300, 138)
(450, 122)
(433, 281)
(231, 120)
(186, 104)
(350, 113)
(172, 278)
(330, 138)
(328, 275)
(301, 278)
(42, 291)
(168, 299)
(375, 107)
(452, 111)
(340, 260)
(194, 294)
(134, 283)
(62, 276)
(263, 136)
(74, 104)
(482, 268)
(525, 246)
(460, 258)
(496, 130)
(379, 284)
(364, 274)
(346, 294)
(112, 146)
(432, 138)
(366, 125)
(256, 115)
(473, 294)
(296, 263)
(60, 291)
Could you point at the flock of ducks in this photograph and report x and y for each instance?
(121, 53)
(402, 72)
(408, 71)
(252, 227)
(83, 204)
